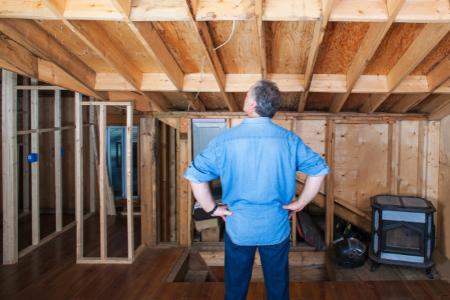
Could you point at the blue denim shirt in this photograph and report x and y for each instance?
(257, 163)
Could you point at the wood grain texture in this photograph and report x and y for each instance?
(319, 101)
(390, 102)
(395, 43)
(408, 160)
(355, 102)
(441, 51)
(77, 46)
(332, 57)
(240, 55)
(423, 103)
(287, 46)
(444, 156)
(443, 209)
(213, 101)
(128, 43)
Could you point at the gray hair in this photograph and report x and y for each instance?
(267, 97)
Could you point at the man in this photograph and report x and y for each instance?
(257, 162)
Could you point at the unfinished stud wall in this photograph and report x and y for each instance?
(443, 207)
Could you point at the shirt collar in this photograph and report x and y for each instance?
(259, 120)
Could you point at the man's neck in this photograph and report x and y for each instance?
(253, 115)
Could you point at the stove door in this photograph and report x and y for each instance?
(403, 238)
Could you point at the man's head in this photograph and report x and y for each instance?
(263, 99)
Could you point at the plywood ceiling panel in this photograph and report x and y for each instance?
(289, 101)
(240, 99)
(181, 40)
(354, 102)
(177, 100)
(213, 101)
(287, 46)
(390, 102)
(126, 40)
(74, 44)
(441, 51)
(319, 101)
(423, 103)
(241, 54)
(396, 41)
(339, 46)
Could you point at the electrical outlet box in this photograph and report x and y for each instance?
(32, 157)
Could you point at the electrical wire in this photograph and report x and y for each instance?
(232, 31)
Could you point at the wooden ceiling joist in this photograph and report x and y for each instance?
(435, 79)
(34, 39)
(427, 39)
(319, 31)
(211, 58)
(369, 45)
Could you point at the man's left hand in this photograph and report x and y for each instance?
(294, 207)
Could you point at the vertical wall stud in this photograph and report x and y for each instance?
(91, 157)
(57, 154)
(102, 175)
(130, 182)
(79, 173)
(330, 149)
(26, 147)
(9, 170)
(34, 118)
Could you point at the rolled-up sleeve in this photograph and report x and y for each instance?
(204, 167)
(310, 162)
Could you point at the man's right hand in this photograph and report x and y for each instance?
(222, 211)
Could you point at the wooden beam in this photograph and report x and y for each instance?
(441, 113)
(436, 105)
(58, 169)
(56, 6)
(26, 149)
(330, 150)
(430, 35)
(259, 6)
(183, 224)
(435, 79)
(319, 31)
(36, 40)
(35, 195)
(9, 170)
(367, 49)
(103, 179)
(92, 165)
(152, 42)
(79, 175)
(147, 163)
(16, 55)
(203, 38)
(130, 208)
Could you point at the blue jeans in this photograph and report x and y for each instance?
(239, 266)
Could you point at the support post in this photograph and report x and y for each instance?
(57, 154)
(34, 118)
(148, 144)
(26, 147)
(102, 175)
(9, 170)
(91, 158)
(185, 211)
(129, 142)
(79, 173)
(330, 148)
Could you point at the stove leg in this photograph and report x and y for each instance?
(428, 270)
(374, 266)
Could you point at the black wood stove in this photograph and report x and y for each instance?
(403, 232)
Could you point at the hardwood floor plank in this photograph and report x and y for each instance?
(301, 291)
(200, 290)
(219, 294)
(171, 291)
(397, 290)
(419, 291)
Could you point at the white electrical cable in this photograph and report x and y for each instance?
(237, 5)
(232, 31)
(196, 95)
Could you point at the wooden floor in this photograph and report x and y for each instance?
(370, 290)
(50, 272)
